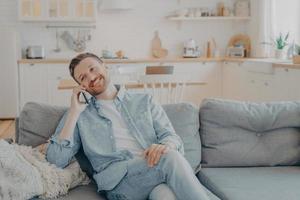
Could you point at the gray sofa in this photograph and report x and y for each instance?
(244, 150)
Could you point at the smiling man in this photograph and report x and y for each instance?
(128, 139)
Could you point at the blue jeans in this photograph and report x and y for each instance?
(172, 169)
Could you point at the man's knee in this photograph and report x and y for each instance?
(171, 157)
(162, 192)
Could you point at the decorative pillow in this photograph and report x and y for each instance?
(244, 134)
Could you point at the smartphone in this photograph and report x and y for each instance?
(83, 98)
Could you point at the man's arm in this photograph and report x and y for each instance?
(164, 129)
(167, 138)
(65, 143)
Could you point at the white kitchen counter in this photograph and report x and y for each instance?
(275, 62)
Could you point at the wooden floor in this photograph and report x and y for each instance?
(7, 129)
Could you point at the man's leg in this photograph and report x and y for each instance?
(137, 183)
(162, 192)
(179, 176)
(172, 169)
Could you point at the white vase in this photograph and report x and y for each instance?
(280, 54)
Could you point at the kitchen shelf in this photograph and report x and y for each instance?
(207, 18)
(57, 11)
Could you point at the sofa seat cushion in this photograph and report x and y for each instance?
(259, 183)
(239, 134)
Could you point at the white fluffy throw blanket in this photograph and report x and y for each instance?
(25, 173)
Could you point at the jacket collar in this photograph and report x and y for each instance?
(120, 96)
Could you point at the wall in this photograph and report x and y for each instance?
(287, 18)
(132, 31)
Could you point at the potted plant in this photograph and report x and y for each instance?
(279, 43)
(296, 57)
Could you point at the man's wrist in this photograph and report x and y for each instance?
(171, 146)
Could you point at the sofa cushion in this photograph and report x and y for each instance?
(163, 192)
(82, 192)
(260, 183)
(37, 122)
(249, 134)
(185, 120)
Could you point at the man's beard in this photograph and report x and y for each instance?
(98, 89)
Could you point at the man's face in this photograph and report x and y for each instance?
(92, 75)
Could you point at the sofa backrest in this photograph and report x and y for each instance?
(37, 122)
(249, 134)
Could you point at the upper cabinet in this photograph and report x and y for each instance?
(57, 10)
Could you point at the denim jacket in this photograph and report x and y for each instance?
(146, 121)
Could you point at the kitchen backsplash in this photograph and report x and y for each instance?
(131, 30)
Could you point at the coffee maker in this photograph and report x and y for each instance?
(190, 49)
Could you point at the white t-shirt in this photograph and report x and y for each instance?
(124, 140)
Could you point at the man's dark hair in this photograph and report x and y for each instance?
(75, 61)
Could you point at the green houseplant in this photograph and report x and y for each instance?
(296, 57)
(280, 42)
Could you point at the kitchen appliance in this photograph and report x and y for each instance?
(238, 52)
(240, 40)
(35, 52)
(190, 49)
(8, 74)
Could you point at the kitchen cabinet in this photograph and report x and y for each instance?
(233, 84)
(249, 81)
(259, 81)
(209, 73)
(286, 81)
(57, 10)
(38, 83)
(33, 83)
(55, 73)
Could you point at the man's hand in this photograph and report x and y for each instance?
(77, 106)
(154, 152)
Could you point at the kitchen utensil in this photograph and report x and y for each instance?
(69, 40)
(57, 49)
